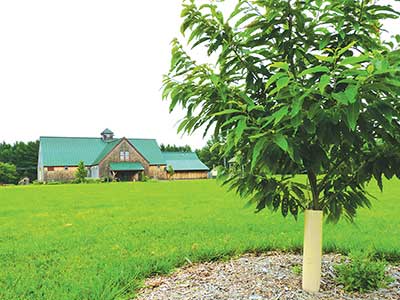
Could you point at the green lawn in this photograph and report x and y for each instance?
(99, 241)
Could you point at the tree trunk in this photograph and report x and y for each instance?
(312, 251)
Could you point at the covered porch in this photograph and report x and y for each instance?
(126, 171)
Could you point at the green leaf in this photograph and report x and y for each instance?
(281, 141)
(340, 97)
(245, 18)
(351, 93)
(393, 82)
(278, 115)
(348, 96)
(296, 107)
(273, 78)
(325, 58)
(241, 126)
(280, 65)
(323, 42)
(352, 114)
(343, 50)
(282, 82)
(226, 112)
(259, 146)
(317, 69)
(354, 60)
(323, 82)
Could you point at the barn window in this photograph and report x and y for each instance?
(50, 168)
(124, 155)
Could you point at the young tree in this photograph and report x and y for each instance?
(8, 173)
(170, 171)
(295, 87)
(81, 172)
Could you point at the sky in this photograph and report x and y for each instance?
(74, 68)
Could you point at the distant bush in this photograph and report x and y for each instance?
(8, 173)
(93, 180)
(35, 182)
(55, 182)
(362, 273)
(143, 177)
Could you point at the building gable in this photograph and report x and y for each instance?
(114, 155)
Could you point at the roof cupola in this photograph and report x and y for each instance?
(107, 135)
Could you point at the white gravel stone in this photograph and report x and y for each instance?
(255, 277)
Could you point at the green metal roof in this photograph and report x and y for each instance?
(126, 166)
(109, 145)
(150, 150)
(69, 151)
(184, 161)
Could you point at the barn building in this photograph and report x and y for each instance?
(125, 159)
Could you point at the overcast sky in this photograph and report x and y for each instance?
(73, 68)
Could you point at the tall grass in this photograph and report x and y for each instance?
(99, 241)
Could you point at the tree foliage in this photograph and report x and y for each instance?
(294, 86)
(175, 148)
(8, 173)
(81, 172)
(170, 171)
(210, 157)
(23, 155)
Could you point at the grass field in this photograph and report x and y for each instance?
(99, 241)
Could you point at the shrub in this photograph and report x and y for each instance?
(93, 180)
(141, 176)
(55, 182)
(362, 273)
(8, 173)
(170, 171)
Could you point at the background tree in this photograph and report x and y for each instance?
(294, 86)
(8, 173)
(175, 148)
(210, 157)
(23, 155)
(81, 172)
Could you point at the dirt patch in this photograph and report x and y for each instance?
(255, 277)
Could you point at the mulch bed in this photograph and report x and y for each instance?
(255, 277)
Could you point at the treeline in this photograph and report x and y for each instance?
(175, 148)
(23, 156)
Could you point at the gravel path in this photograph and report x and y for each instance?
(251, 277)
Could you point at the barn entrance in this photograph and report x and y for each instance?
(125, 175)
(126, 171)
